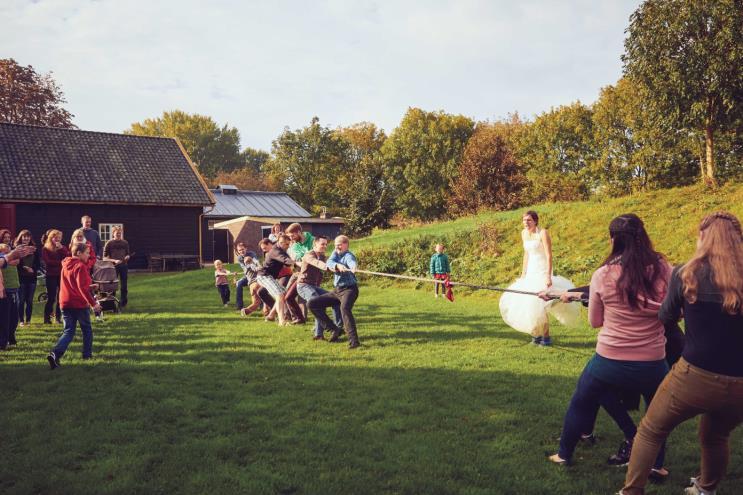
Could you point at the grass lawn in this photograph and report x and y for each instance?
(185, 397)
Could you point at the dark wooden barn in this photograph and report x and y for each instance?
(247, 216)
(50, 178)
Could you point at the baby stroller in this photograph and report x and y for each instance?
(104, 274)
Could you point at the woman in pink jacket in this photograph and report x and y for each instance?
(624, 301)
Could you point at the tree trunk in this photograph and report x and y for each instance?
(709, 175)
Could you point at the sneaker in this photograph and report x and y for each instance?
(621, 458)
(695, 490)
(53, 361)
(21, 324)
(536, 340)
(658, 475)
(589, 439)
(546, 341)
(336, 335)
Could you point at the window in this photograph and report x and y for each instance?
(104, 229)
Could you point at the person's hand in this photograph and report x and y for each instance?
(97, 308)
(2, 293)
(20, 252)
(341, 268)
(28, 269)
(93, 286)
(126, 258)
(548, 281)
(544, 295)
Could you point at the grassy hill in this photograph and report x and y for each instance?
(486, 247)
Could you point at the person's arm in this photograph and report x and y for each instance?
(313, 260)
(547, 242)
(286, 259)
(348, 263)
(98, 243)
(670, 310)
(84, 283)
(107, 250)
(447, 266)
(525, 263)
(595, 303)
(432, 264)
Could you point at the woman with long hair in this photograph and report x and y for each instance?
(52, 255)
(708, 379)
(529, 314)
(630, 350)
(28, 268)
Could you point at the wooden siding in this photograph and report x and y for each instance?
(149, 229)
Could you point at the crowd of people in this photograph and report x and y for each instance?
(287, 283)
(23, 262)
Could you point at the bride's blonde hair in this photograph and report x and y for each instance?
(721, 247)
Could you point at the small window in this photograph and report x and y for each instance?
(104, 229)
(211, 223)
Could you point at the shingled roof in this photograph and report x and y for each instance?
(47, 164)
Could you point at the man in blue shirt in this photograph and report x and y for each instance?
(346, 291)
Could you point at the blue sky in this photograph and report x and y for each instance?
(261, 66)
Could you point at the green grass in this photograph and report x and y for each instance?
(185, 397)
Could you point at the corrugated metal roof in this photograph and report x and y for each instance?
(255, 203)
(273, 220)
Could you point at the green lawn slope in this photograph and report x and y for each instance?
(486, 247)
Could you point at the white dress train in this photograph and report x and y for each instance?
(529, 314)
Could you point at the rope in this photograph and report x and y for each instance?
(454, 284)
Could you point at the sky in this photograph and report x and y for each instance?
(263, 66)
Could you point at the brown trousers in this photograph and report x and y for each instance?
(686, 392)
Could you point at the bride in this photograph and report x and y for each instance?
(529, 314)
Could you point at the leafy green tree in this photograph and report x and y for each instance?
(367, 199)
(557, 150)
(27, 97)
(254, 159)
(308, 163)
(688, 54)
(211, 148)
(422, 157)
(489, 174)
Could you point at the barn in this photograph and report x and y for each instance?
(50, 178)
(247, 216)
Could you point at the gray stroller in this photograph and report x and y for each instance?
(104, 274)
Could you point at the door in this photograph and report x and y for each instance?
(221, 240)
(7, 217)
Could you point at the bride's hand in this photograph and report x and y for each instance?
(548, 281)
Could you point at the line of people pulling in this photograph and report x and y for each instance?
(291, 276)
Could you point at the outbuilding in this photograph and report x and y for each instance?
(51, 177)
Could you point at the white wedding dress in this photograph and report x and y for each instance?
(529, 314)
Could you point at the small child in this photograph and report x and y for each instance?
(223, 285)
(439, 268)
(75, 299)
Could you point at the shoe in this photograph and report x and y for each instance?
(658, 475)
(695, 490)
(536, 340)
(47, 321)
(53, 361)
(555, 458)
(336, 335)
(318, 337)
(589, 439)
(546, 341)
(354, 344)
(99, 318)
(244, 312)
(621, 458)
(226, 305)
(59, 322)
(21, 324)
(298, 321)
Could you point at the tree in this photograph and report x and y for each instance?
(245, 178)
(308, 163)
(489, 174)
(367, 198)
(254, 159)
(27, 97)
(688, 54)
(211, 148)
(422, 158)
(556, 151)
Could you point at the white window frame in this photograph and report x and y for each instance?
(105, 230)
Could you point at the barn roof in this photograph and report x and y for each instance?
(47, 164)
(238, 203)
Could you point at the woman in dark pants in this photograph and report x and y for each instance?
(52, 255)
(28, 269)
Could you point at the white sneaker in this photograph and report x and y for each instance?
(695, 490)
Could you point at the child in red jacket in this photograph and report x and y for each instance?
(75, 300)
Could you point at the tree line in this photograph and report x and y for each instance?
(673, 118)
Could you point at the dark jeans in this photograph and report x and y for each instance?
(346, 296)
(26, 300)
(123, 271)
(591, 394)
(7, 333)
(241, 284)
(309, 292)
(52, 298)
(71, 318)
(224, 293)
(4, 323)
